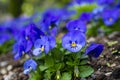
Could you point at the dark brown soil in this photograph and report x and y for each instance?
(11, 69)
(107, 66)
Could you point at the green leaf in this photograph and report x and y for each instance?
(77, 56)
(49, 61)
(83, 62)
(84, 57)
(58, 66)
(47, 75)
(42, 67)
(66, 76)
(85, 71)
(70, 63)
(6, 47)
(35, 76)
(57, 55)
(41, 56)
(92, 31)
(62, 49)
(67, 52)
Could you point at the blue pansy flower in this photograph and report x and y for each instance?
(77, 1)
(50, 19)
(65, 13)
(74, 41)
(105, 2)
(18, 39)
(110, 16)
(29, 65)
(83, 1)
(32, 32)
(2, 29)
(54, 32)
(76, 25)
(20, 48)
(27, 38)
(15, 48)
(96, 13)
(85, 17)
(43, 45)
(4, 37)
(94, 50)
(117, 5)
(52, 42)
(89, 1)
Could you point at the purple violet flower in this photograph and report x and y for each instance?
(85, 17)
(4, 37)
(76, 25)
(29, 65)
(74, 41)
(43, 45)
(94, 50)
(110, 16)
(105, 2)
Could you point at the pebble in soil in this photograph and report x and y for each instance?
(11, 69)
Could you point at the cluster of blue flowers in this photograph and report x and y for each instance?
(10, 28)
(73, 41)
(39, 37)
(107, 10)
(35, 37)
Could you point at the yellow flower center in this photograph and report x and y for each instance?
(42, 48)
(73, 44)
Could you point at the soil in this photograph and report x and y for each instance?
(11, 69)
(107, 66)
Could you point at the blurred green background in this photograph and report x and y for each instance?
(28, 7)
